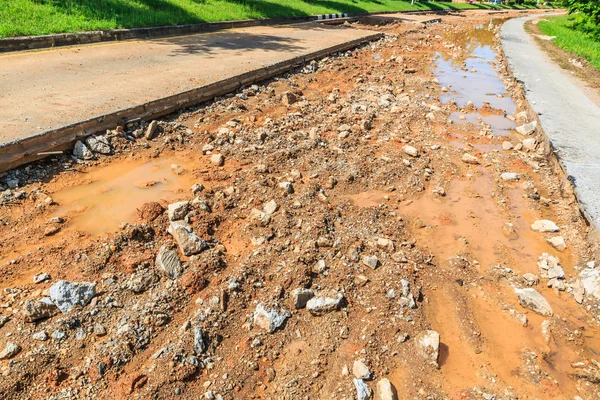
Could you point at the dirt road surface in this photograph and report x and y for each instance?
(371, 225)
(49, 89)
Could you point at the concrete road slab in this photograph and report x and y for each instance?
(569, 117)
(45, 90)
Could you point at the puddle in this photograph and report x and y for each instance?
(500, 125)
(478, 82)
(112, 194)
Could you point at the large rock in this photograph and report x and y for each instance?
(531, 299)
(323, 304)
(66, 295)
(544, 225)
(429, 345)
(590, 279)
(363, 392)
(269, 319)
(177, 211)
(98, 144)
(167, 261)
(82, 152)
(385, 390)
(10, 351)
(37, 310)
(188, 242)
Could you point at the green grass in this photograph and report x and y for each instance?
(571, 40)
(39, 17)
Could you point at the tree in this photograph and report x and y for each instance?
(587, 15)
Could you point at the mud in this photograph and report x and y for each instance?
(456, 232)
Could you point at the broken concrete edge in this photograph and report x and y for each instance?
(558, 167)
(69, 39)
(19, 152)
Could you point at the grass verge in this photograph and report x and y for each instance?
(39, 17)
(571, 40)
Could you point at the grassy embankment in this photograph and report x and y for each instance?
(571, 40)
(39, 17)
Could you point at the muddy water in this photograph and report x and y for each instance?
(499, 124)
(111, 195)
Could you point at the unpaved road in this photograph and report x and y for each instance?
(570, 118)
(388, 181)
(49, 89)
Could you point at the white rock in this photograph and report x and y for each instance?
(531, 299)
(360, 370)
(217, 159)
(527, 129)
(301, 296)
(271, 207)
(82, 152)
(167, 262)
(177, 211)
(10, 351)
(269, 319)
(98, 144)
(429, 345)
(410, 150)
(590, 278)
(189, 243)
(259, 218)
(558, 242)
(550, 267)
(544, 225)
(470, 159)
(66, 295)
(529, 144)
(323, 304)
(363, 392)
(371, 261)
(510, 176)
(506, 145)
(385, 390)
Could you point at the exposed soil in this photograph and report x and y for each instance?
(336, 132)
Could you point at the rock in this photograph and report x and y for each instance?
(66, 295)
(217, 159)
(141, 281)
(41, 277)
(199, 345)
(590, 279)
(259, 218)
(10, 351)
(410, 150)
(42, 336)
(547, 330)
(509, 176)
(527, 129)
(429, 345)
(549, 267)
(82, 152)
(288, 98)
(301, 296)
(529, 144)
(544, 225)
(271, 207)
(558, 242)
(531, 299)
(287, 187)
(386, 244)
(360, 370)
(37, 310)
(3, 320)
(405, 287)
(506, 145)
(189, 243)
(98, 144)
(201, 204)
(320, 267)
(323, 304)
(167, 261)
(151, 130)
(385, 390)
(531, 279)
(470, 159)
(578, 291)
(371, 261)
(363, 392)
(177, 211)
(99, 330)
(269, 319)
(197, 188)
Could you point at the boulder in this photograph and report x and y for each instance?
(558, 242)
(531, 299)
(371, 261)
(199, 344)
(510, 176)
(259, 218)
(410, 150)
(151, 130)
(67, 295)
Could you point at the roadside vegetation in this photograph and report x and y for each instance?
(571, 38)
(38, 17)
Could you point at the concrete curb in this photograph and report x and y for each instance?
(70, 39)
(20, 152)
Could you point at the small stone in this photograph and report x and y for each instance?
(549, 267)
(37, 310)
(470, 159)
(558, 242)
(529, 144)
(217, 159)
(82, 152)
(151, 130)
(177, 211)
(41, 277)
(259, 218)
(544, 225)
(301, 296)
(527, 129)
(197, 188)
(510, 176)
(269, 319)
(323, 304)
(371, 261)
(189, 243)
(66, 295)
(546, 330)
(288, 98)
(531, 299)
(271, 207)
(10, 351)
(506, 145)
(287, 187)
(531, 279)
(360, 370)
(411, 151)
(319, 267)
(3, 320)
(167, 261)
(42, 336)
(386, 244)
(429, 344)
(99, 330)
(98, 144)
(385, 390)
(363, 392)
(199, 344)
